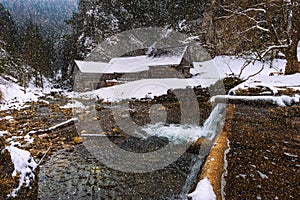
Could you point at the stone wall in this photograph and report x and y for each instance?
(89, 81)
(168, 72)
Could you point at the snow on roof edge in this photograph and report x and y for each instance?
(91, 67)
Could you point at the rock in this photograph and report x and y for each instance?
(6, 181)
(99, 108)
(222, 86)
(116, 130)
(68, 147)
(77, 140)
(2, 143)
(95, 118)
(195, 148)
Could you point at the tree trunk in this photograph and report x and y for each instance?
(292, 64)
(36, 79)
(42, 82)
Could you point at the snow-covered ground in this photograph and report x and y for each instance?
(24, 165)
(204, 74)
(146, 88)
(224, 66)
(15, 96)
(230, 66)
(274, 83)
(73, 104)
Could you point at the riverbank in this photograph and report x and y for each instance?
(36, 129)
(258, 156)
(213, 167)
(261, 145)
(263, 160)
(46, 129)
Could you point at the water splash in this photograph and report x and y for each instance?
(190, 133)
(212, 127)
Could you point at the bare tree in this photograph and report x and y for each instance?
(262, 27)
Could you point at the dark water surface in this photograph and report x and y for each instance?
(78, 175)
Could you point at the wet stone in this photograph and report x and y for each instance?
(78, 175)
(69, 171)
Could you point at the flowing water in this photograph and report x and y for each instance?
(79, 175)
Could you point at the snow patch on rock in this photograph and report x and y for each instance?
(24, 165)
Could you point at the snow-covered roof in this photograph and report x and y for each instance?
(108, 68)
(91, 67)
(170, 56)
(165, 57)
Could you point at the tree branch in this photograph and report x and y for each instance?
(273, 47)
(262, 68)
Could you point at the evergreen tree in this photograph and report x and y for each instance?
(37, 53)
(8, 33)
(100, 19)
(68, 53)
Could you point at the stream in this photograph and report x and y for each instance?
(79, 174)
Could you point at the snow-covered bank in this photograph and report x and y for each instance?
(273, 83)
(146, 88)
(204, 74)
(24, 165)
(224, 66)
(256, 74)
(276, 100)
(15, 96)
